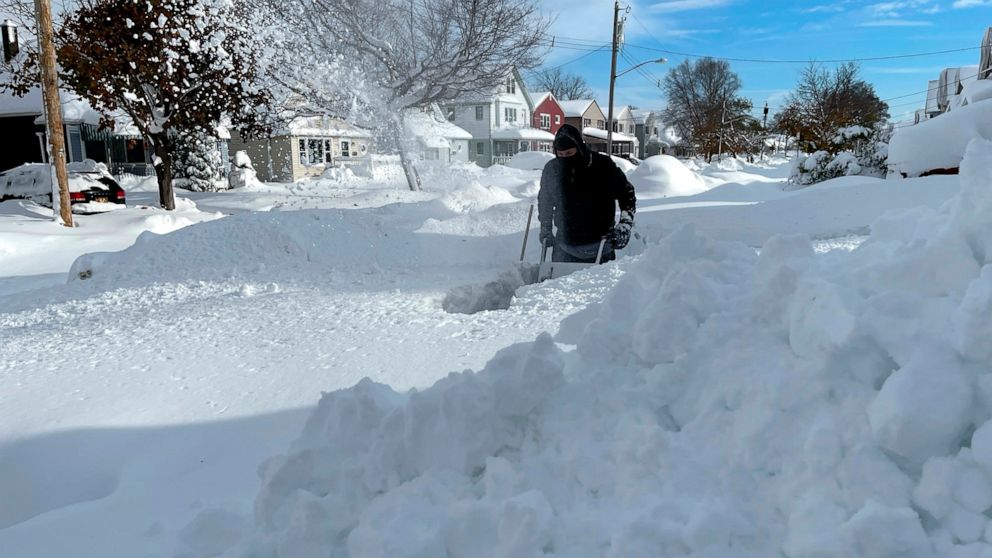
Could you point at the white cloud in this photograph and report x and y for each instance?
(672, 6)
(895, 23)
(971, 4)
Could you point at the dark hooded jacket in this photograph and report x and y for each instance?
(580, 194)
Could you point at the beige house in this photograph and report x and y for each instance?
(306, 147)
(586, 115)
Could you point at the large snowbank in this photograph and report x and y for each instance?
(665, 176)
(719, 403)
(939, 143)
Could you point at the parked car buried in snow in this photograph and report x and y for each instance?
(91, 188)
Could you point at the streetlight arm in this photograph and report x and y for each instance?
(632, 68)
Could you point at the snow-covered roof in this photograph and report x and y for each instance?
(74, 109)
(601, 134)
(576, 107)
(321, 126)
(540, 97)
(431, 131)
(619, 112)
(641, 116)
(527, 134)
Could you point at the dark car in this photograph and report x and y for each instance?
(91, 188)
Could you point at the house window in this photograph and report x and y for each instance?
(75, 144)
(545, 121)
(586, 122)
(450, 114)
(601, 125)
(345, 148)
(480, 148)
(557, 119)
(478, 113)
(328, 153)
(510, 115)
(312, 151)
(511, 85)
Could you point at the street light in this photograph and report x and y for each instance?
(613, 79)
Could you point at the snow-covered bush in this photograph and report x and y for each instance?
(859, 151)
(242, 171)
(198, 165)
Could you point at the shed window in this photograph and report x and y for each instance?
(315, 151)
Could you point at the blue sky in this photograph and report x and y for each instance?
(776, 30)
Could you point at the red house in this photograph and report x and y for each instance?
(548, 116)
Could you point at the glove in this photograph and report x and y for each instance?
(620, 235)
(547, 237)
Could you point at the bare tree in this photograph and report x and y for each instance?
(564, 86)
(379, 58)
(703, 101)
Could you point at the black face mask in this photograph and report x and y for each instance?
(573, 161)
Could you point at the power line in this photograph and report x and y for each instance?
(926, 90)
(574, 60)
(807, 61)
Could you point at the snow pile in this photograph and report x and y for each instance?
(665, 176)
(623, 164)
(475, 197)
(719, 403)
(939, 143)
(529, 160)
(296, 244)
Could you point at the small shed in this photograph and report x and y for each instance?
(305, 147)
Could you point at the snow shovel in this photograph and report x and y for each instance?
(545, 270)
(552, 270)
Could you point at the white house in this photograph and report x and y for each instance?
(648, 129)
(436, 138)
(500, 123)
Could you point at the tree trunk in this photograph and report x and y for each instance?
(163, 170)
(399, 132)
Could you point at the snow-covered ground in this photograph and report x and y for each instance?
(138, 403)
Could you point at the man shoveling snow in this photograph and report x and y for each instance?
(580, 191)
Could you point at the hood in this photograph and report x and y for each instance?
(572, 133)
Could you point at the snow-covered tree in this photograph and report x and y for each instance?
(171, 66)
(825, 102)
(371, 60)
(198, 162)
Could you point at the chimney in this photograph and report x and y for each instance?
(10, 43)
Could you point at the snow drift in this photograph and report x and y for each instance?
(939, 143)
(718, 403)
(665, 176)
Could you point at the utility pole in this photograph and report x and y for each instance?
(53, 107)
(723, 121)
(764, 129)
(613, 76)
